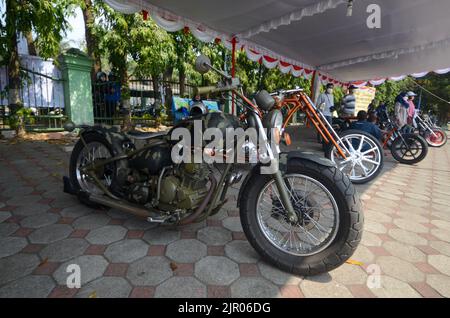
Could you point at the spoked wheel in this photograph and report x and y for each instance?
(438, 139)
(364, 159)
(96, 150)
(409, 148)
(329, 220)
(316, 210)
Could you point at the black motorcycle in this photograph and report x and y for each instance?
(297, 210)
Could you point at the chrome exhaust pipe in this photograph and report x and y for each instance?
(124, 206)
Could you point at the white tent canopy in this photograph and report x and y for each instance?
(300, 36)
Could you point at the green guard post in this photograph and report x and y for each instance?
(76, 72)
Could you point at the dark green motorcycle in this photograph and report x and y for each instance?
(297, 209)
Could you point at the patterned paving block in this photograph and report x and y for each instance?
(4, 215)
(11, 245)
(322, 286)
(249, 287)
(135, 223)
(76, 211)
(40, 220)
(28, 287)
(106, 287)
(91, 221)
(16, 266)
(400, 269)
(216, 270)
(277, 276)
(233, 224)
(241, 252)
(50, 233)
(23, 200)
(181, 287)
(64, 250)
(394, 288)
(214, 235)
(161, 235)
(31, 209)
(7, 229)
(126, 251)
(106, 235)
(440, 283)
(91, 268)
(186, 251)
(149, 271)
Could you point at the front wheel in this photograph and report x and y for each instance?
(329, 225)
(409, 148)
(438, 139)
(364, 155)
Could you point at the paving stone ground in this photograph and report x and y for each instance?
(405, 251)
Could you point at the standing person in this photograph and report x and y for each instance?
(325, 102)
(412, 107)
(401, 109)
(100, 94)
(112, 97)
(349, 102)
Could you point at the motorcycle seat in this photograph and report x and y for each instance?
(142, 135)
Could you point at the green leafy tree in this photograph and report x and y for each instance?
(438, 95)
(133, 46)
(45, 18)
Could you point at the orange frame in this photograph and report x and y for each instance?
(299, 101)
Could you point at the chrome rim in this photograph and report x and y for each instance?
(363, 157)
(316, 209)
(437, 140)
(92, 152)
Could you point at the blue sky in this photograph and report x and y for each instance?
(76, 34)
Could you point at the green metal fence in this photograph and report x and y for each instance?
(43, 100)
(146, 105)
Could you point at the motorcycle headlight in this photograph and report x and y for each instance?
(273, 121)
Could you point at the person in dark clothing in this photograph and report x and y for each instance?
(364, 125)
(112, 96)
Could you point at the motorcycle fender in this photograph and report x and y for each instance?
(114, 137)
(286, 159)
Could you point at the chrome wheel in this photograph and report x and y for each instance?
(316, 209)
(364, 157)
(93, 152)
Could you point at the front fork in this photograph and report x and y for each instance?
(282, 187)
(285, 196)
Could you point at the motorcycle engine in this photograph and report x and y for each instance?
(186, 187)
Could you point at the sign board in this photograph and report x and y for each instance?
(364, 96)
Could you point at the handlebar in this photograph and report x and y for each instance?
(288, 91)
(213, 89)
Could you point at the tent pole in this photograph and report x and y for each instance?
(313, 86)
(233, 69)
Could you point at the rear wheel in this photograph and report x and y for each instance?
(329, 225)
(364, 158)
(409, 148)
(438, 139)
(96, 149)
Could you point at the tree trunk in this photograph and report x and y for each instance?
(182, 79)
(125, 97)
(30, 43)
(91, 40)
(14, 101)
